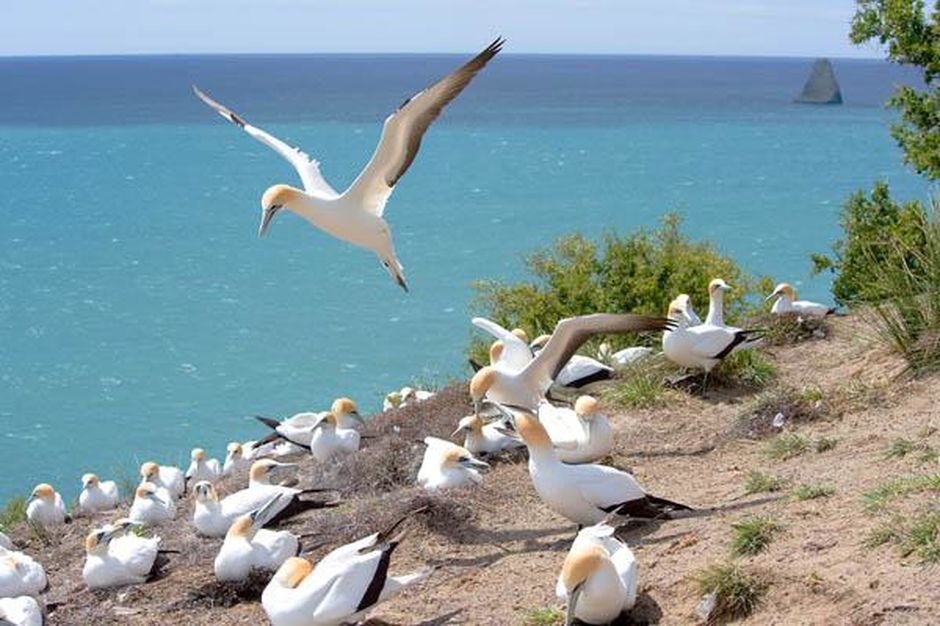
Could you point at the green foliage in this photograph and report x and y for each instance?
(637, 273)
(639, 386)
(748, 368)
(12, 514)
(737, 591)
(753, 535)
(876, 499)
(899, 448)
(824, 444)
(811, 492)
(787, 445)
(548, 616)
(922, 538)
(758, 482)
(911, 36)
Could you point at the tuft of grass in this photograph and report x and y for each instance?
(899, 448)
(749, 368)
(811, 492)
(876, 499)
(824, 444)
(758, 482)
(637, 387)
(549, 616)
(885, 532)
(811, 394)
(737, 591)
(13, 513)
(785, 330)
(922, 538)
(787, 445)
(752, 536)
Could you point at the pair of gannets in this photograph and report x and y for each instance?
(248, 545)
(97, 495)
(526, 387)
(20, 611)
(404, 397)
(114, 558)
(321, 433)
(355, 216)
(579, 435)
(46, 507)
(585, 494)
(787, 304)
(598, 579)
(343, 587)
(200, 468)
(152, 505)
(20, 574)
(164, 477)
(447, 466)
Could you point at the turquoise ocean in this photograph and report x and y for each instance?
(141, 315)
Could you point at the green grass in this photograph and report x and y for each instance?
(885, 532)
(13, 513)
(543, 617)
(749, 368)
(876, 499)
(752, 536)
(812, 394)
(824, 444)
(758, 482)
(899, 448)
(811, 492)
(787, 445)
(636, 387)
(922, 538)
(737, 591)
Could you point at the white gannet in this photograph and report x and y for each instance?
(96, 495)
(410, 395)
(249, 546)
(598, 578)
(166, 477)
(581, 435)
(152, 505)
(104, 568)
(212, 517)
(716, 302)
(629, 356)
(579, 371)
(355, 216)
(200, 468)
(480, 438)
(261, 472)
(585, 494)
(20, 575)
(527, 386)
(20, 611)
(124, 545)
(46, 507)
(5, 542)
(511, 349)
(446, 465)
(330, 442)
(788, 304)
(345, 585)
(296, 430)
(346, 413)
(236, 464)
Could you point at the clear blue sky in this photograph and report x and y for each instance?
(737, 27)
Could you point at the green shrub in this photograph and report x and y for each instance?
(737, 591)
(641, 385)
(787, 445)
(758, 482)
(748, 368)
(753, 535)
(12, 514)
(811, 492)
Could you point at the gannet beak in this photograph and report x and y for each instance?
(471, 462)
(355, 415)
(572, 603)
(456, 432)
(772, 296)
(266, 216)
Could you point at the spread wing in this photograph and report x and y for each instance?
(403, 130)
(516, 353)
(307, 168)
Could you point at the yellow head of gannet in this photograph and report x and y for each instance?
(480, 384)
(531, 430)
(275, 198)
(496, 351)
(198, 454)
(326, 418)
(89, 480)
(97, 539)
(393, 399)
(234, 448)
(677, 307)
(470, 424)
(586, 407)
(260, 471)
(205, 492)
(521, 334)
(43, 491)
(292, 572)
(718, 284)
(344, 406)
(579, 565)
(783, 289)
(147, 490)
(539, 342)
(458, 456)
(149, 470)
(240, 528)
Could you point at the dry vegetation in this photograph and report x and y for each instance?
(819, 533)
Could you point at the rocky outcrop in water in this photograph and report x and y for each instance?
(821, 87)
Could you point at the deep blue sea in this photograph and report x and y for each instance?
(141, 315)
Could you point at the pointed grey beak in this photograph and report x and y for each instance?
(456, 432)
(355, 415)
(771, 296)
(266, 216)
(471, 462)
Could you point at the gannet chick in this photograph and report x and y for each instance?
(346, 413)
(345, 585)
(330, 442)
(20, 575)
(46, 507)
(212, 517)
(249, 546)
(716, 302)
(787, 304)
(235, 462)
(584, 494)
(579, 371)
(480, 438)
(262, 472)
(105, 569)
(598, 578)
(97, 496)
(201, 468)
(296, 430)
(152, 506)
(20, 611)
(581, 435)
(164, 477)
(447, 466)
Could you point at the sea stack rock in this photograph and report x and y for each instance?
(821, 87)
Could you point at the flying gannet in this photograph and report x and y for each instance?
(355, 216)
(788, 304)
(446, 465)
(20, 611)
(96, 495)
(46, 507)
(248, 545)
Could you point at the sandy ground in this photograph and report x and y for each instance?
(498, 549)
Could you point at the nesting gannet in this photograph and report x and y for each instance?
(788, 304)
(345, 585)
(164, 477)
(200, 468)
(579, 371)
(527, 386)
(446, 465)
(20, 575)
(212, 517)
(249, 546)
(104, 568)
(581, 435)
(629, 356)
(346, 413)
(330, 441)
(5, 542)
(480, 438)
(296, 429)
(355, 216)
(152, 505)
(716, 302)
(585, 494)
(235, 463)
(124, 545)
(46, 507)
(598, 578)
(410, 394)
(261, 472)
(20, 611)
(96, 495)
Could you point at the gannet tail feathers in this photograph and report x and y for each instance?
(742, 338)
(664, 503)
(298, 506)
(384, 536)
(267, 421)
(647, 508)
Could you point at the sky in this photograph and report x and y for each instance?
(683, 27)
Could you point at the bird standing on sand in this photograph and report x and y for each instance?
(96, 495)
(46, 507)
(579, 435)
(249, 546)
(355, 216)
(104, 569)
(446, 466)
(20, 611)
(786, 303)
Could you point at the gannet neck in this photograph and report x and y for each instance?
(715, 308)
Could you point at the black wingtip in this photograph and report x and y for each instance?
(267, 421)
(401, 283)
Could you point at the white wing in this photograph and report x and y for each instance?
(516, 353)
(605, 486)
(307, 168)
(403, 130)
